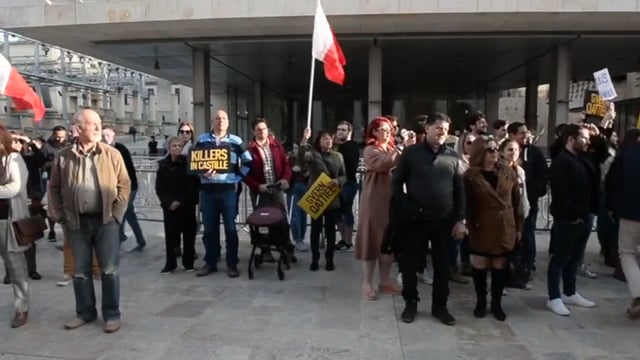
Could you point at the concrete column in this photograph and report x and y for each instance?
(118, 105)
(175, 110)
(87, 99)
(492, 105)
(531, 103)
(559, 88)
(375, 83)
(296, 122)
(104, 102)
(153, 110)
(201, 91)
(317, 118)
(136, 107)
(258, 102)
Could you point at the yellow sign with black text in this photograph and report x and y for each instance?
(594, 105)
(319, 196)
(217, 158)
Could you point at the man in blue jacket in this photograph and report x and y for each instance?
(218, 195)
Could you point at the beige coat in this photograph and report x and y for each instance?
(373, 215)
(115, 186)
(16, 190)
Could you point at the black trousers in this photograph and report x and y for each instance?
(180, 223)
(414, 250)
(326, 221)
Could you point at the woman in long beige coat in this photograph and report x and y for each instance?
(494, 217)
(13, 196)
(379, 159)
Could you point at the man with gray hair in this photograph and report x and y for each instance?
(88, 195)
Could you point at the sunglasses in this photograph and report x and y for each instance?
(491, 150)
(184, 131)
(469, 143)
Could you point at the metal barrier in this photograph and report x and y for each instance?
(148, 206)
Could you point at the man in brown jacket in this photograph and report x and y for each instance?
(89, 194)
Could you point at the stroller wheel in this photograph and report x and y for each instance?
(280, 274)
(257, 261)
(250, 273)
(293, 259)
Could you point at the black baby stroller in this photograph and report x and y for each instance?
(269, 228)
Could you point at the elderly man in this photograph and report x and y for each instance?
(89, 195)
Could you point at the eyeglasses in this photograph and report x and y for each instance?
(384, 129)
(184, 132)
(491, 150)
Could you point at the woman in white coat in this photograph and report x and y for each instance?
(13, 207)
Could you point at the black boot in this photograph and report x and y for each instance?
(314, 262)
(497, 286)
(480, 285)
(410, 311)
(329, 266)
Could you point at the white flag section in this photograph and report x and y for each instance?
(604, 84)
(322, 34)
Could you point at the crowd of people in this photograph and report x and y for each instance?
(471, 204)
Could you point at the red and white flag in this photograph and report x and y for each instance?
(326, 47)
(12, 84)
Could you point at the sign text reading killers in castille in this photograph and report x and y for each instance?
(210, 157)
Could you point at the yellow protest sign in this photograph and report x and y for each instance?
(318, 197)
(216, 158)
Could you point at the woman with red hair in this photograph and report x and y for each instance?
(380, 156)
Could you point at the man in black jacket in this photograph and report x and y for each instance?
(536, 173)
(56, 142)
(350, 151)
(574, 193)
(130, 216)
(433, 210)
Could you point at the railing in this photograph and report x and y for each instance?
(148, 206)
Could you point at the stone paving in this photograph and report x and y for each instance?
(315, 316)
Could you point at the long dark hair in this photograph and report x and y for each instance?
(630, 137)
(316, 141)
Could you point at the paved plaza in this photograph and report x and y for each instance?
(317, 316)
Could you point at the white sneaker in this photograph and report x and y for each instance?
(558, 308)
(425, 278)
(578, 300)
(64, 281)
(301, 246)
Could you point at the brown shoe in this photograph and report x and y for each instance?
(634, 309)
(19, 319)
(75, 323)
(111, 326)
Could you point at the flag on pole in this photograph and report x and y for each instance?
(326, 47)
(12, 84)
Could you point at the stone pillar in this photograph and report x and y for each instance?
(258, 102)
(175, 110)
(136, 106)
(358, 117)
(375, 83)
(317, 118)
(559, 89)
(153, 110)
(118, 105)
(492, 106)
(531, 103)
(201, 91)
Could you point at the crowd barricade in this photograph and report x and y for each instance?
(148, 206)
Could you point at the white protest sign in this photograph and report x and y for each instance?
(604, 84)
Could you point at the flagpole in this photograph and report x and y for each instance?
(309, 108)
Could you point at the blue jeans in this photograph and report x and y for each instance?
(298, 216)
(131, 217)
(93, 234)
(529, 236)
(567, 249)
(214, 204)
